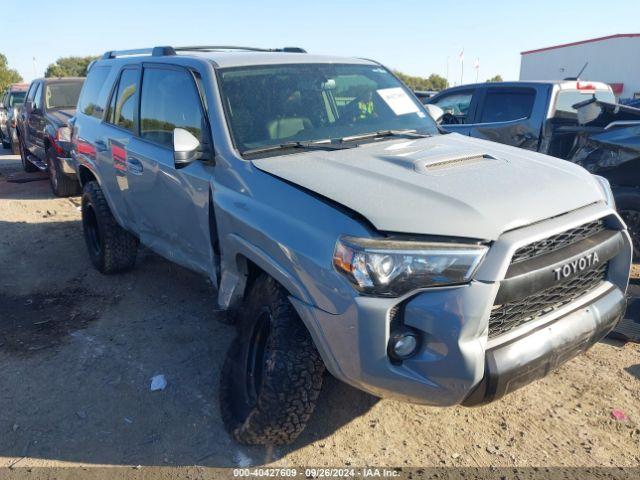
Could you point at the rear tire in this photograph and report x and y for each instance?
(27, 166)
(272, 375)
(111, 248)
(61, 184)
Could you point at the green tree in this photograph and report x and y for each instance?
(69, 67)
(433, 82)
(7, 75)
(496, 78)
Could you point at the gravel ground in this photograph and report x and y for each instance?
(78, 350)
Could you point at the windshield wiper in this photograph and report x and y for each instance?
(315, 145)
(384, 133)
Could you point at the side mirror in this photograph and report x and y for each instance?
(28, 106)
(434, 112)
(186, 147)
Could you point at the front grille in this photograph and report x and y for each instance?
(511, 315)
(556, 242)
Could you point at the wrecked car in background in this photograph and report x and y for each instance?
(544, 117)
(608, 144)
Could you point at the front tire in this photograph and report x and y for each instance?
(111, 248)
(61, 184)
(272, 375)
(628, 205)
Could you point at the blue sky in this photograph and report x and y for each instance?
(413, 36)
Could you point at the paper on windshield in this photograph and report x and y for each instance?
(398, 100)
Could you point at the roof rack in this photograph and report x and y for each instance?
(168, 51)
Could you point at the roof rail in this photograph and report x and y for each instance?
(154, 52)
(168, 51)
(207, 48)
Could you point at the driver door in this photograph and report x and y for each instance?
(460, 105)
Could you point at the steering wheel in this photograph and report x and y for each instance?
(449, 119)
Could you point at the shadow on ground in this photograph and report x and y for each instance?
(78, 350)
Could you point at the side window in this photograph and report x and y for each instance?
(32, 91)
(456, 104)
(123, 102)
(93, 98)
(37, 99)
(504, 105)
(169, 99)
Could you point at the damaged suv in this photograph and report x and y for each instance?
(342, 230)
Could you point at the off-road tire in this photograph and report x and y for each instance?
(628, 205)
(62, 185)
(27, 166)
(291, 379)
(111, 248)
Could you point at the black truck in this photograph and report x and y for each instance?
(43, 133)
(574, 120)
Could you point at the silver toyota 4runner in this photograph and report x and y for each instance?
(343, 230)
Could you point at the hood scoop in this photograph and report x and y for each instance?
(445, 163)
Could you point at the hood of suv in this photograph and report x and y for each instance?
(448, 185)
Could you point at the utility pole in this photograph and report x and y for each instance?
(448, 70)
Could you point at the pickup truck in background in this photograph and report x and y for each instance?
(543, 117)
(43, 133)
(12, 99)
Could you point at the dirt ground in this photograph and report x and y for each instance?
(78, 350)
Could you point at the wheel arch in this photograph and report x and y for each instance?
(85, 175)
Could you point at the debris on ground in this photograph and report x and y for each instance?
(619, 415)
(158, 382)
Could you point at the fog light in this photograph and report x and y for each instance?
(403, 344)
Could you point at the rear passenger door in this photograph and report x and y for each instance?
(171, 205)
(508, 115)
(114, 137)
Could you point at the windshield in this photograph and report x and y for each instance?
(271, 105)
(16, 98)
(63, 95)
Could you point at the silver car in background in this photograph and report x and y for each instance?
(12, 101)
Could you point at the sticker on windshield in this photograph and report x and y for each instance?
(398, 100)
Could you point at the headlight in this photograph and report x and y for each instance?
(606, 189)
(391, 268)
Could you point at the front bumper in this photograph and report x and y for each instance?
(457, 362)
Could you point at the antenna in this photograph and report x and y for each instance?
(577, 77)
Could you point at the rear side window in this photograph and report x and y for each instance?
(93, 99)
(566, 99)
(169, 99)
(507, 105)
(123, 102)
